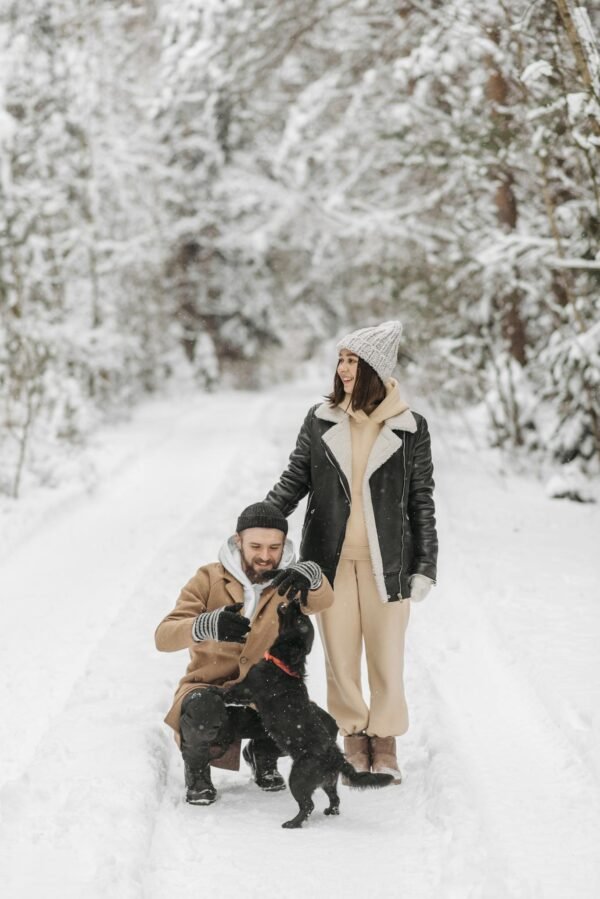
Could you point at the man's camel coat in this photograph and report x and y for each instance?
(221, 663)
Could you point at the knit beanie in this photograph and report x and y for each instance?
(262, 515)
(377, 345)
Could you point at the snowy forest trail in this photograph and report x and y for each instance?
(82, 573)
(501, 796)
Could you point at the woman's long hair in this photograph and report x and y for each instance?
(369, 389)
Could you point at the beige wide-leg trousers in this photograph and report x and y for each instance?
(358, 615)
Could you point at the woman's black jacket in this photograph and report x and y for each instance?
(398, 501)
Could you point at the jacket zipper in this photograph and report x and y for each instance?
(341, 540)
(403, 515)
(339, 476)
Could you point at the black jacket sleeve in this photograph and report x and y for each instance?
(295, 481)
(421, 508)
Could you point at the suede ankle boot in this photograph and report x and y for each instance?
(356, 750)
(383, 757)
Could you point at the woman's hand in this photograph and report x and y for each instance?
(420, 585)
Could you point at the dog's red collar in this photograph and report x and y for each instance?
(280, 664)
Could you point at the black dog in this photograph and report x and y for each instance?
(300, 727)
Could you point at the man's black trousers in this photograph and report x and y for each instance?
(208, 727)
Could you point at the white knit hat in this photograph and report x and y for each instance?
(377, 345)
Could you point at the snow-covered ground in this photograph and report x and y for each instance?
(501, 798)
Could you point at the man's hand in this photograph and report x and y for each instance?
(231, 627)
(222, 624)
(297, 580)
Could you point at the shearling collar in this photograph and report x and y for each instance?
(405, 421)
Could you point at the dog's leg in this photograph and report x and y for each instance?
(302, 783)
(303, 814)
(330, 787)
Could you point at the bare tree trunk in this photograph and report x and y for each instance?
(511, 427)
(23, 441)
(513, 325)
(28, 374)
(583, 46)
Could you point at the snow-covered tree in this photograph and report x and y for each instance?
(240, 179)
(83, 323)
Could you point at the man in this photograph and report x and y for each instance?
(256, 568)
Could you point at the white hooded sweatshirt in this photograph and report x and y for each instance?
(231, 559)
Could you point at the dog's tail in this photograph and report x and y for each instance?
(362, 780)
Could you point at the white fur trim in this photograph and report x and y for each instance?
(405, 421)
(386, 445)
(339, 442)
(328, 413)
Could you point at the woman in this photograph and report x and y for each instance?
(365, 460)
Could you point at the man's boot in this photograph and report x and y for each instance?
(356, 750)
(203, 723)
(383, 757)
(264, 767)
(199, 786)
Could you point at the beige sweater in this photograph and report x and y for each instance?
(364, 430)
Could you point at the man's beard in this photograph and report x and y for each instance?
(254, 575)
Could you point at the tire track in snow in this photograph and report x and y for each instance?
(538, 805)
(80, 572)
(538, 796)
(86, 802)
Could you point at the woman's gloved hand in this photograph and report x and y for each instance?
(420, 585)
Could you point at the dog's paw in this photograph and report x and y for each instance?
(291, 825)
(331, 811)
